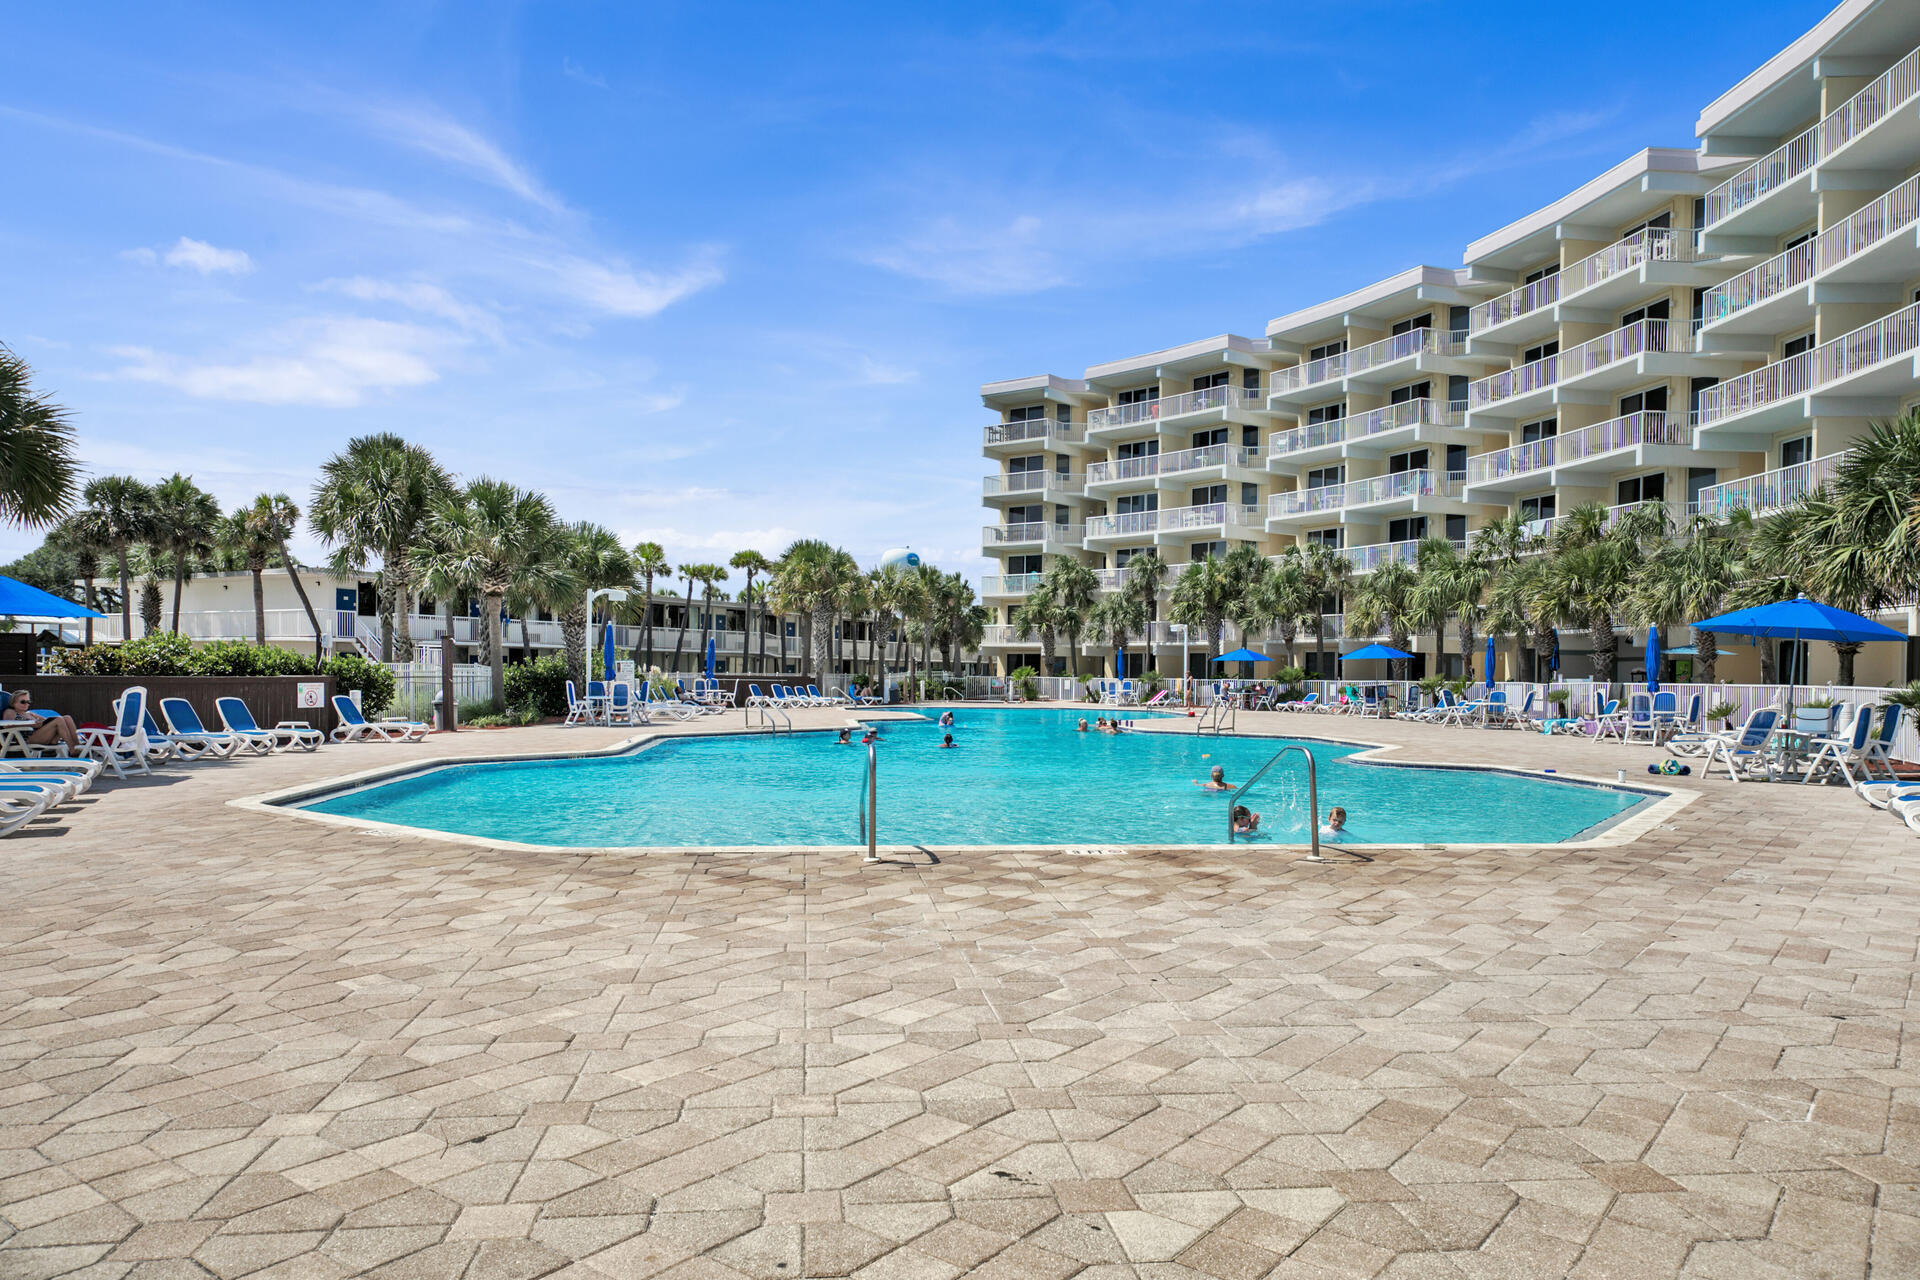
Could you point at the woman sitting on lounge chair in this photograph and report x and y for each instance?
(51, 731)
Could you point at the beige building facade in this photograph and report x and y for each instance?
(1707, 329)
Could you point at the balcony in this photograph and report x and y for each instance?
(1018, 485)
(1618, 273)
(1860, 374)
(1544, 528)
(1377, 364)
(1578, 457)
(1406, 490)
(1370, 434)
(1036, 535)
(1779, 295)
(1183, 464)
(1033, 433)
(1110, 579)
(1370, 557)
(1774, 194)
(1174, 524)
(1769, 491)
(1630, 354)
(1010, 584)
(1229, 404)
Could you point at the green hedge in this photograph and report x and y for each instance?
(167, 654)
(351, 671)
(540, 684)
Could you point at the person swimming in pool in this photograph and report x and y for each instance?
(946, 719)
(1245, 821)
(845, 739)
(871, 736)
(1216, 780)
(1082, 727)
(1336, 827)
(946, 742)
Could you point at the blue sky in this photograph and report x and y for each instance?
(726, 275)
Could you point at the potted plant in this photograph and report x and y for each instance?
(1557, 699)
(1431, 685)
(1724, 713)
(1151, 681)
(1024, 678)
(1293, 684)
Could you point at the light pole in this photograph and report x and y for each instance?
(1186, 685)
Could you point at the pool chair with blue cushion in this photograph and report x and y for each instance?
(189, 747)
(1881, 794)
(124, 748)
(755, 698)
(580, 710)
(288, 735)
(21, 804)
(861, 699)
(73, 776)
(355, 727)
(674, 707)
(184, 723)
(622, 707)
(1745, 753)
(1843, 752)
(1880, 748)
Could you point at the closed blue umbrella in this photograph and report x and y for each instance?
(606, 653)
(1553, 651)
(710, 644)
(1120, 661)
(1489, 672)
(1653, 659)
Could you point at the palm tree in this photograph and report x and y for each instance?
(80, 535)
(926, 611)
(810, 574)
(440, 568)
(685, 573)
(1592, 569)
(707, 575)
(543, 579)
(752, 563)
(1074, 589)
(121, 508)
(1283, 599)
(374, 499)
(276, 517)
(490, 532)
(649, 562)
(955, 606)
(1116, 618)
(1040, 614)
(1875, 494)
(889, 589)
(1386, 600)
(1451, 582)
(1208, 591)
(185, 520)
(1146, 578)
(1326, 572)
(256, 533)
(37, 467)
(1688, 579)
(593, 559)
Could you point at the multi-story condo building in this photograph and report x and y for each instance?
(1705, 328)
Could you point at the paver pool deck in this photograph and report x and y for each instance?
(244, 1044)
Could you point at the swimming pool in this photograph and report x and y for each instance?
(1015, 777)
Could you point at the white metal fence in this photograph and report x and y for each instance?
(416, 685)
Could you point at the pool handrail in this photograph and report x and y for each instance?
(869, 807)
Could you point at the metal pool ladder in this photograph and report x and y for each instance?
(767, 714)
(1218, 717)
(869, 809)
(1313, 802)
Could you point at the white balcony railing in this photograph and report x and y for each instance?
(1654, 244)
(1370, 557)
(1414, 342)
(1869, 226)
(1010, 584)
(1623, 343)
(1035, 429)
(1392, 417)
(1211, 398)
(1357, 493)
(1311, 436)
(1170, 519)
(1041, 531)
(1110, 579)
(1212, 455)
(1651, 427)
(1850, 353)
(1769, 491)
(1890, 90)
(1035, 482)
(1123, 415)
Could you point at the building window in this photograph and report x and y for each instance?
(1648, 488)
(1540, 352)
(1551, 269)
(1327, 349)
(1652, 311)
(1134, 503)
(1408, 326)
(1411, 460)
(1137, 449)
(1201, 439)
(1412, 391)
(1028, 413)
(1796, 346)
(1139, 395)
(1327, 413)
(1333, 538)
(1321, 477)
(1407, 529)
(1207, 382)
(1207, 494)
(1796, 451)
(1658, 222)
(1206, 551)
(1249, 495)
(1652, 400)
(1540, 508)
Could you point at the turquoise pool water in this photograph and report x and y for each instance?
(1015, 777)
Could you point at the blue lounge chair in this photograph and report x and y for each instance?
(1746, 751)
(285, 736)
(1843, 751)
(355, 727)
(184, 722)
(124, 747)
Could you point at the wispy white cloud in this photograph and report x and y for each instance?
(617, 289)
(421, 296)
(194, 255)
(431, 132)
(331, 361)
(574, 71)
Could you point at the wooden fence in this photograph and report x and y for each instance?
(89, 699)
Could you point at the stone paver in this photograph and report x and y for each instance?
(242, 1044)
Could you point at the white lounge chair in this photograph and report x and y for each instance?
(124, 747)
(188, 748)
(355, 727)
(21, 803)
(1746, 751)
(72, 775)
(288, 735)
(1842, 751)
(183, 722)
(861, 699)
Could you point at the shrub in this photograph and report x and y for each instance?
(239, 658)
(480, 713)
(1025, 678)
(1152, 681)
(1558, 697)
(1722, 711)
(160, 654)
(1909, 697)
(94, 660)
(539, 685)
(351, 671)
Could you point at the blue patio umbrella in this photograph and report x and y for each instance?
(1374, 651)
(710, 644)
(18, 600)
(1553, 650)
(1798, 619)
(1653, 659)
(1242, 655)
(1120, 661)
(1489, 671)
(606, 652)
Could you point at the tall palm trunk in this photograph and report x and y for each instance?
(383, 605)
(822, 622)
(646, 624)
(526, 640)
(89, 570)
(179, 587)
(396, 571)
(1465, 625)
(1706, 654)
(313, 619)
(1606, 646)
(573, 638)
(1846, 654)
(680, 640)
(496, 646)
(780, 621)
(126, 594)
(257, 566)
